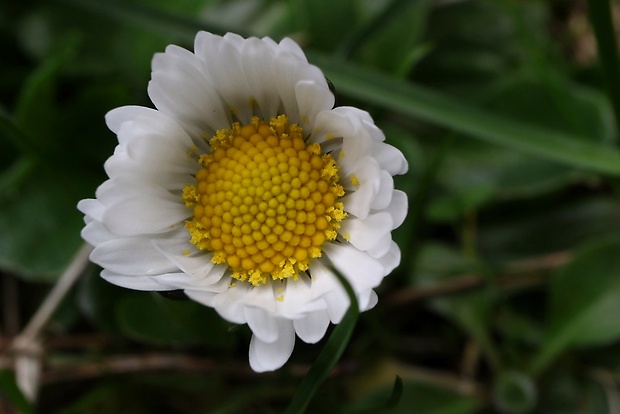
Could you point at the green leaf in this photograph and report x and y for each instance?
(153, 319)
(550, 100)
(39, 225)
(601, 18)
(36, 112)
(97, 299)
(329, 356)
(585, 302)
(418, 102)
(9, 388)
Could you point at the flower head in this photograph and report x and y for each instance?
(244, 188)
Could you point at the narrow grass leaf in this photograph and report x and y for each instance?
(415, 101)
(331, 353)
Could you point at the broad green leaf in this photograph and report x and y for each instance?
(585, 300)
(97, 299)
(551, 100)
(39, 225)
(154, 319)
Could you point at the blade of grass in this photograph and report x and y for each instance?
(601, 20)
(416, 101)
(331, 353)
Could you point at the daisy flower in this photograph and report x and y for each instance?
(244, 188)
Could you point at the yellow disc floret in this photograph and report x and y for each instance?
(264, 201)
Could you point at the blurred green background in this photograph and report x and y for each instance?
(508, 295)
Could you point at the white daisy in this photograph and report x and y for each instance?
(244, 188)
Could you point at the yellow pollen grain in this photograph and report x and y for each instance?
(264, 202)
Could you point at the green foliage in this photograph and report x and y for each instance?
(12, 393)
(508, 294)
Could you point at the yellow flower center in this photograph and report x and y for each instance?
(264, 201)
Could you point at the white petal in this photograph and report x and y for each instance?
(95, 233)
(135, 282)
(313, 327)
(337, 304)
(323, 280)
(391, 259)
(383, 197)
(222, 62)
(264, 326)
(361, 270)
(312, 99)
(117, 117)
(297, 299)
(156, 140)
(398, 208)
(120, 166)
(198, 265)
(257, 59)
(289, 69)
(367, 300)
(181, 90)
(220, 297)
(365, 234)
(358, 201)
(144, 215)
(91, 208)
(271, 356)
(329, 125)
(291, 46)
(390, 158)
(131, 256)
(382, 246)
(228, 303)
